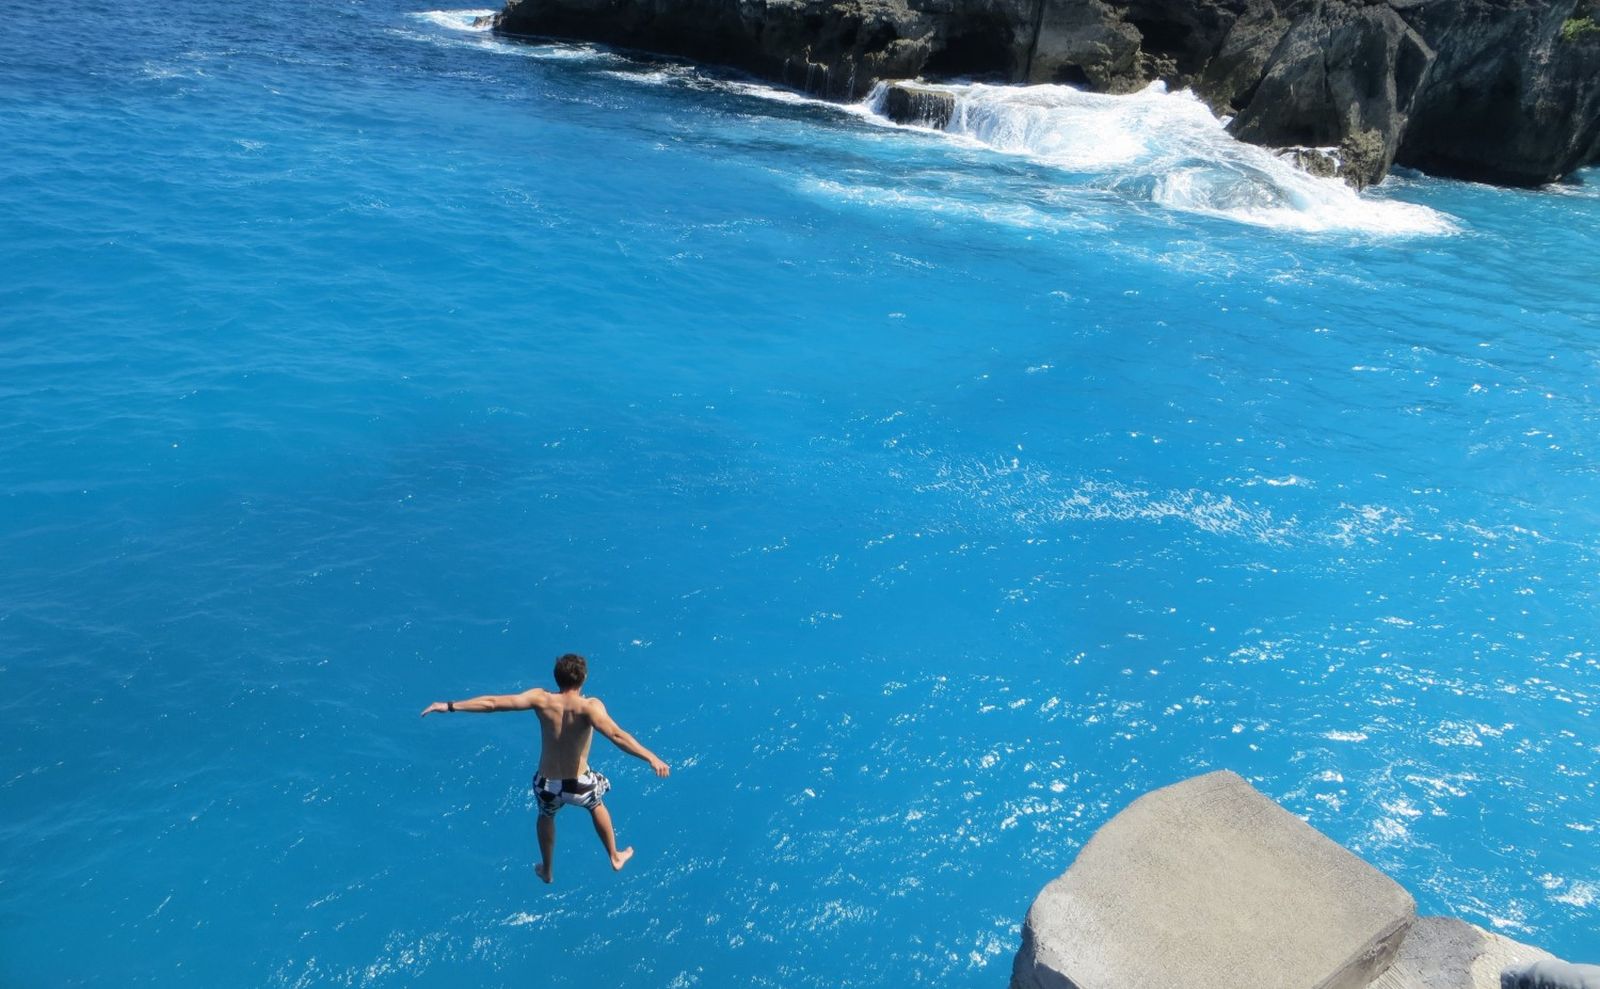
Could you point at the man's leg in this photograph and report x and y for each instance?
(547, 845)
(602, 827)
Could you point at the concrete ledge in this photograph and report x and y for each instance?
(1444, 953)
(1208, 884)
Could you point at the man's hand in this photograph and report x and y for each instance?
(661, 768)
(435, 706)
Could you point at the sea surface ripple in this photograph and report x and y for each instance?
(923, 498)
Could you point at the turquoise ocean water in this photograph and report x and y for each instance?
(921, 498)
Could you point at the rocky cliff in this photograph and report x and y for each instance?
(1504, 91)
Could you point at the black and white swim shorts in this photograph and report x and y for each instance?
(586, 791)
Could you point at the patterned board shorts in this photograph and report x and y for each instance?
(586, 791)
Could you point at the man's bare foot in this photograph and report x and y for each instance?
(620, 859)
(542, 872)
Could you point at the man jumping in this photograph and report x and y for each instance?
(567, 722)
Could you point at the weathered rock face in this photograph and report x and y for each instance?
(1343, 76)
(1494, 90)
(831, 49)
(1508, 99)
(918, 105)
(1208, 884)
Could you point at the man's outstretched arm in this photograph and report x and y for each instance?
(486, 704)
(621, 739)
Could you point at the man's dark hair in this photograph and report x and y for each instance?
(571, 670)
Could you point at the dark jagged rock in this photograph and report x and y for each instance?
(1509, 100)
(832, 49)
(1342, 76)
(1317, 161)
(1505, 91)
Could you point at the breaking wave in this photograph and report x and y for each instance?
(476, 21)
(1162, 148)
(1170, 150)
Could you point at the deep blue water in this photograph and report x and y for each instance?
(923, 499)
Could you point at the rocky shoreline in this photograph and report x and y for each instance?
(1500, 91)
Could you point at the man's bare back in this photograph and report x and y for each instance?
(566, 728)
(567, 723)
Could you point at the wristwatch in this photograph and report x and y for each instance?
(450, 706)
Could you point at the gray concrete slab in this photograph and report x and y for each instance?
(1208, 884)
(1445, 953)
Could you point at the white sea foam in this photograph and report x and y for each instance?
(1584, 185)
(1387, 830)
(476, 20)
(1010, 214)
(1169, 149)
(1345, 736)
(1035, 499)
(1580, 894)
(162, 70)
(559, 52)
(471, 28)
(775, 95)
(659, 77)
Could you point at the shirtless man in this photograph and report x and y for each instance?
(567, 723)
